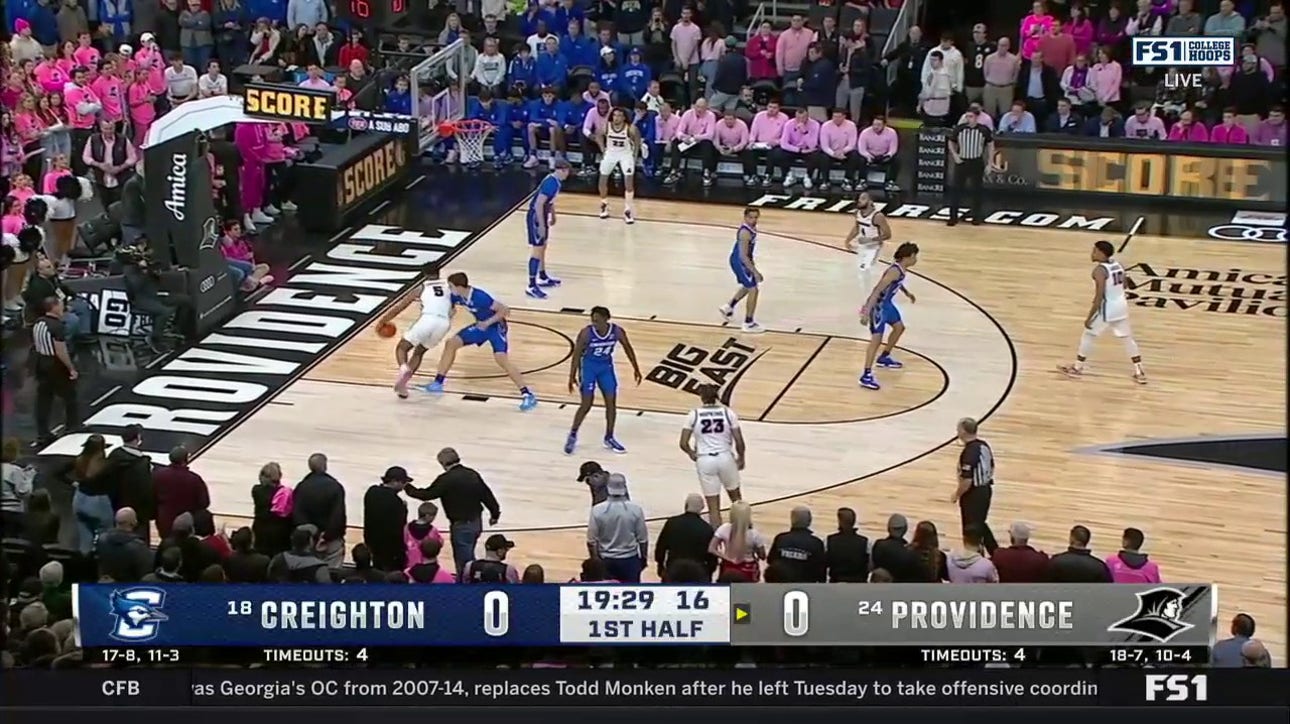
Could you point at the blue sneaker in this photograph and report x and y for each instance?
(889, 363)
(433, 387)
(614, 445)
(528, 402)
(570, 443)
(868, 382)
(545, 281)
(535, 293)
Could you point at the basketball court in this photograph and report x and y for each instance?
(997, 309)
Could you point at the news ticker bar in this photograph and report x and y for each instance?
(618, 615)
(377, 656)
(637, 688)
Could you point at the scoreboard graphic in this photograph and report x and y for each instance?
(998, 615)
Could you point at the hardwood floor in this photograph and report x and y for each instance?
(997, 309)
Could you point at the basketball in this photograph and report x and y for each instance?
(387, 329)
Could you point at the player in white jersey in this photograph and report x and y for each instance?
(426, 333)
(1110, 310)
(622, 143)
(867, 236)
(718, 452)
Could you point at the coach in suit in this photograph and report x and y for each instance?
(1039, 86)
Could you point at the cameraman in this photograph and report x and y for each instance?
(143, 287)
(78, 315)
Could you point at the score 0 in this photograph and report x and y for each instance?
(797, 614)
(497, 609)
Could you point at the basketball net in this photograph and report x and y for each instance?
(471, 136)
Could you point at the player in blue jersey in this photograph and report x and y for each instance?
(746, 273)
(490, 327)
(880, 312)
(538, 221)
(592, 366)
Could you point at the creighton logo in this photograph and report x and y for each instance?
(1159, 615)
(138, 614)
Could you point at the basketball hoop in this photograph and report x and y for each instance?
(470, 135)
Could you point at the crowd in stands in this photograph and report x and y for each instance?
(298, 532)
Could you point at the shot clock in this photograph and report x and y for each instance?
(383, 15)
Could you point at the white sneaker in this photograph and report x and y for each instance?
(289, 207)
(247, 224)
(260, 217)
(806, 183)
(727, 311)
(271, 210)
(788, 181)
(604, 210)
(753, 328)
(628, 217)
(452, 156)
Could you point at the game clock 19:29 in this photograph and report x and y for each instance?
(375, 14)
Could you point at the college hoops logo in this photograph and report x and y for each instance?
(1159, 615)
(138, 614)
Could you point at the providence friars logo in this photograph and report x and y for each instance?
(1159, 615)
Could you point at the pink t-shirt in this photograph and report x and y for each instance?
(155, 63)
(50, 184)
(88, 57)
(275, 150)
(29, 126)
(51, 77)
(687, 36)
(236, 249)
(12, 223)
(111, 93)
(22, 195)
(74, 96)
(142, 110)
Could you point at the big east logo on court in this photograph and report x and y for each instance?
(686, 367)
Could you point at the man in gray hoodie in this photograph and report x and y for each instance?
(305, 12)
(970, 564)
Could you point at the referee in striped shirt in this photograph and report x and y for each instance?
(971, 148)
(54, 370)
(975, 481)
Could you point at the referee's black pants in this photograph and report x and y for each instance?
(52, 380)
(969, 172)
(974, 508)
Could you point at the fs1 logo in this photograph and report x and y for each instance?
(138, 614)
(1177, 687)
(1151, 52)
(1159, 615)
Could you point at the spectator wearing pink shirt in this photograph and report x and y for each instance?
(799, 142)
(593, 125)
(1272, 132)
(791, 49)
(419, 530)
(142, 102)
(316, 79)
(1034, 27)
(763, 137)
(83, 108)
(694, 140)
(237, 252)
(686, 36)
(731, 141)
(1188, 129)
(86, 55)
(838, 139)
(428, 569)
(877, 147)
(1105, 76)
(51, 76)
(1144, 125)
(1229, 131)
(149, 58)
(1081, 29)
(760, 51)
(111, 92)
(666, 126)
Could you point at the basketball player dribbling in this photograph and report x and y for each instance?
(489, 327)
(867, 236)
(622, 143)
(880, 312)
(592, 366)
(538, 221)
(1109, 310)
(746, 273)
(715, 431)
(425, 333)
